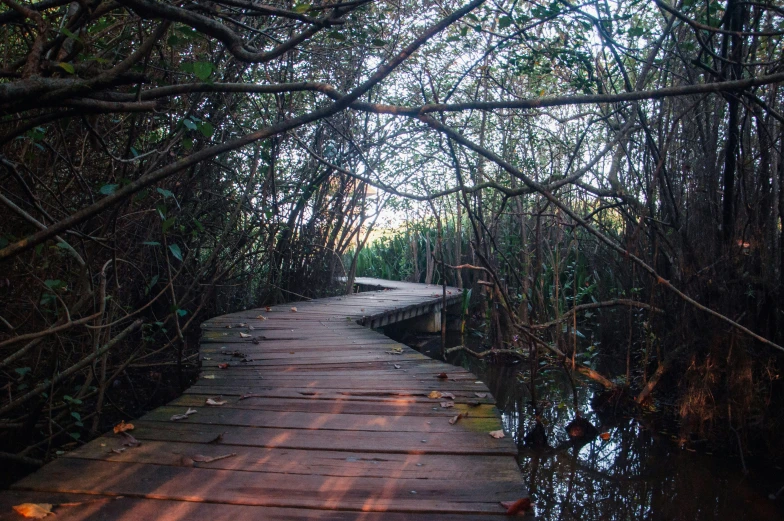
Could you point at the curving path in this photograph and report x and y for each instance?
(324, 420)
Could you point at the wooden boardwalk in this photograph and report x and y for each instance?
(324, 420)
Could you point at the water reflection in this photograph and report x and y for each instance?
(637, 473)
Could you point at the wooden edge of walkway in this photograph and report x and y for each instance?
(313, 417)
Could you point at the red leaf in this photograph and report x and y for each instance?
(442, 376)
(515, 507)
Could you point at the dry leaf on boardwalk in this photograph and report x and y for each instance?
(34, 510)
(434, 395)
(447, 405)
(497, 434)
(130, 441)
(244, 335)
(516, 507)
(223, 366)
(183, 416)
(261, 317)
(448, 395)
(209, 459)
(442, 376)
(267, 309)
(480, 395)
(250, 395)
(395, 351)
(217, 439)
(214, 403)
(122, 427)
(453, 420)
(294, 309)
(209, 376)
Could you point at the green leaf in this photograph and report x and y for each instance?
(67, 67)
(182, 312)
(176, 252)
(74, 435)
(206, 129)
(77, 416)
(301, 8)
(636, 31)
(69, 34)
(337, 36)
(189, 124)
(54, 284)
(165, 193)
(108, 189)
(21, 371)
(187, 143)
(504, 22)
(151, 243)
(203, 70)
(378, 42)
(168, 223)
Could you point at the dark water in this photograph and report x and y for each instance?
(640, 472)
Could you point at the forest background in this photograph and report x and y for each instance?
(610, 164)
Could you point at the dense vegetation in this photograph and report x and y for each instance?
(616, 163)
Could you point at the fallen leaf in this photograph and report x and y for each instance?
(453, 420)
(119, 451)
(395, 351)
(215, 403)
(183, 416)
(209, 459)
(605, 436)
(223, 366)
(242, 324)
(209, 376)
(294, 309)
(122, 427)
(447, 405)
(185, 461)
(515, 507)
(130, 441)
(480, 395)
(244, 335)
(497, 434)
(250, 395)
(228, 326)
(217, 439)
(397, 366)
(448, 395)
(434, 395)
(267, 308)
(34, 510)
(261, 317)
(442, 376)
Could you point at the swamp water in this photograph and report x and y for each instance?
(638, 473)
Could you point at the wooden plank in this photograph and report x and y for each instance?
(78, 476)
(91, 507)
(459, 442)
(295, 461)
